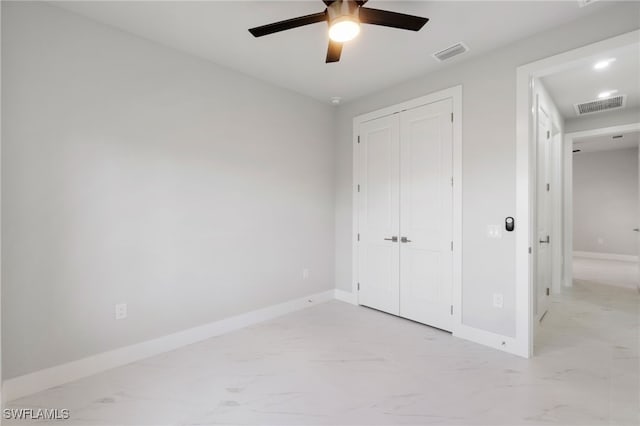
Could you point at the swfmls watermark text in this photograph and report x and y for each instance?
(36, 414)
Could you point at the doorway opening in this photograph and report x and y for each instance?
(578, 190)
(605, 210)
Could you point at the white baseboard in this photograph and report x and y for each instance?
(605, 256)
(55, 376)
(65, 373)
(345, 296)
(493, 340)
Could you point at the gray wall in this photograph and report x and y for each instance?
(489, 104)
(134, 173)
(605, 201)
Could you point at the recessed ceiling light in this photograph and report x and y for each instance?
(600, 65)
(336, 100)
(607, 93)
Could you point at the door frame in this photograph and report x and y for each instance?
(455, 94)
(525, 173)
(567, 202)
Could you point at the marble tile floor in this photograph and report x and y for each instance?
(609, 272)
(338, 364)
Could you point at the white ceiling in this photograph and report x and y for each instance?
(378, 58)
(607, 143)
(582, 82)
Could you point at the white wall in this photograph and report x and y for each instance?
(134, 173)
(599, 121)
(489, 104)
(605, 201)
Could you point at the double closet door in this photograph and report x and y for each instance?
(405, 218)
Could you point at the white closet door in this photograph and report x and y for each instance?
(426, 221)
(378, 221)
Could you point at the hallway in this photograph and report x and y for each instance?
(609, 272)
(593, 330)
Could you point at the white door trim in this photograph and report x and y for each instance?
(525, 173)
(454, 93)
(568, 187)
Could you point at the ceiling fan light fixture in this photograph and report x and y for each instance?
(344, 28)
(344, 18)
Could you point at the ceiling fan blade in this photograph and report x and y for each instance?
(391, 19)
(288, 24)
(334, 51)
(359, 2)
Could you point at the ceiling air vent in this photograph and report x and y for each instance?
(600, 105)
(450, 52)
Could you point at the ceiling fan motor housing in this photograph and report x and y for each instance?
(343, 9)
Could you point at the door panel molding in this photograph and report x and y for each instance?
(378, 210)
(426, 198)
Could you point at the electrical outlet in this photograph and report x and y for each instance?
(121, 311)
(305, 274)
(498, 300)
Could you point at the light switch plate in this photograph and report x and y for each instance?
(494, 231)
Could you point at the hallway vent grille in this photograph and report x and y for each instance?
(600, 105)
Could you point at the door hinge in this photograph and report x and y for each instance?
(529, 250)
(548, 187)
(547, 291)
(451, 245)
(358, 237)
(358, 187)
(452, 117)
(451, 180)
(451, 309)
(548, 134)
(358, 138)
(358, 286)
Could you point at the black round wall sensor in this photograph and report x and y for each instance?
(509, 224)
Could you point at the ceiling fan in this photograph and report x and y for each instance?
(344, 18)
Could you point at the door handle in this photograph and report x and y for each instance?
(393, 239)
(405, 240)
(545, 241)
(636, 229)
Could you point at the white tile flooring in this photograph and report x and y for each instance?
(337, 364)
(610, 272)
